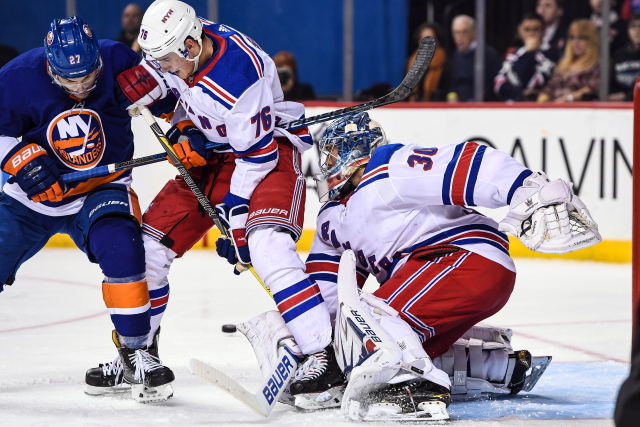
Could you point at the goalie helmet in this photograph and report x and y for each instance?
(345, 146)
(166, 25)
(72, 52)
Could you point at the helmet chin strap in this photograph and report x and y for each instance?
(196, 59)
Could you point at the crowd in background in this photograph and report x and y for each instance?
(552, 58)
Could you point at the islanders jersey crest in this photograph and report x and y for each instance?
(77, 138)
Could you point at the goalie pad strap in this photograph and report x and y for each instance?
(476, 363)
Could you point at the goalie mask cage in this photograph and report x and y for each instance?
(635, 274)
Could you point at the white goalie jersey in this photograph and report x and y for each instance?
(411, 197)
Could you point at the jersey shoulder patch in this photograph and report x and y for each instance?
(234, 68)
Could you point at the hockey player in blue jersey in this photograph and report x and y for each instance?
(58, 113)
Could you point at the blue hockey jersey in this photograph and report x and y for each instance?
(77, 135)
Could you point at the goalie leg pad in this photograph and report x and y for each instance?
(372, 344)
(267, 332)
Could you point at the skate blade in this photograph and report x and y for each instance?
(331, 398)
(106, 391)
(142, 394)
(432, 412)
(538, 366)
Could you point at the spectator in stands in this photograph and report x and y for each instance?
(625, 66)
(617, 27)
(131, 20)
(428, 89)
(555, 30)
(288, 74)
(526, 70)
(460, 66)
(577, 75)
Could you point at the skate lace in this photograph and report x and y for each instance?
(313, 367)
(111, 368)
(144, 362)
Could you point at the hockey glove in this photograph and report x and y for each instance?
(35, 172)
(189, 144)
(235, 218)
(137, 86)
(548, 218)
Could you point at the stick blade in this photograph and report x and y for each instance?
(211, 374)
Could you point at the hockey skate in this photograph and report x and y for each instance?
(420, 399)
(319, 382)
(142, 373)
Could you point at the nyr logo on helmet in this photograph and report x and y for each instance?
(166, 16)
(87, 30)
(77, 138)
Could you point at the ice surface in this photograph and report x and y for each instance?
(53, 327)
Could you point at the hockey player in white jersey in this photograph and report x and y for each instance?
(442, 267)
(229, 93)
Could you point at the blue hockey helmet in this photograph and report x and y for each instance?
(72, 52)
(345, 146)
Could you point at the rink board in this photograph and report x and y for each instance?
(565, 391)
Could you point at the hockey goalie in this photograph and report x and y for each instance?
(403, 214)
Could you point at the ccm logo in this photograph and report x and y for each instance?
(269, 211)
(277, 380)
(166, 16)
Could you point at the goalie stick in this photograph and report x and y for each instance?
(264, 400)
(204, 202)
(426, 50)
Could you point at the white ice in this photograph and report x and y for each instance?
(53, 327)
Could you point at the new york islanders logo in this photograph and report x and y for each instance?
(77, 138)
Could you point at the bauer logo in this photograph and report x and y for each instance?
(277, 380)
(77, 138)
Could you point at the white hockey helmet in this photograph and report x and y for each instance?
(166, 25)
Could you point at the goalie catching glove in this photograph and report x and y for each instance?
(548, 218)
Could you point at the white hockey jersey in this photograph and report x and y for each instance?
(235, 98)
(411, 197)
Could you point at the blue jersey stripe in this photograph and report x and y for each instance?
(473, 175)
(371, 181)
(323, 257)
(302, 308)
(474, 240)
(448, 174)
(325, 277)
(518, 183)
(262, 142)
(159, 293)
(261, 159)
(216, 98)
(278, 297)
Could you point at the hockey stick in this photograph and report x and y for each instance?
(117, 167)
(426, 50)
(204, 202)
(264, 400)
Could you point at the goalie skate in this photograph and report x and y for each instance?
(331, 398)
(415, 400)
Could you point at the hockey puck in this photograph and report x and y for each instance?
(229, 328)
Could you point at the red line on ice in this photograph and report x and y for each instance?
(602, 356)
(60, 322)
